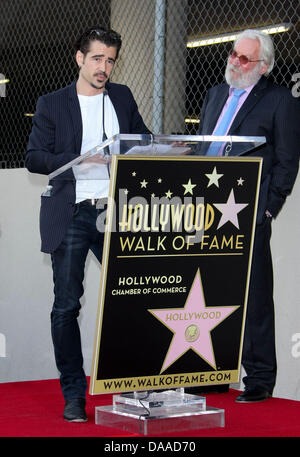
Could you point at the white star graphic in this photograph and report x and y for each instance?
(143, 183)
(230, 210)
(189, 187)
(240, 181)
(213, 178)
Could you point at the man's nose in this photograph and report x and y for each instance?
(235, 61)
(102, 65)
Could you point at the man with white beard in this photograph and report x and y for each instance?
(258, 108)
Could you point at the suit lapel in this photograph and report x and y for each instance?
(75, 113)
(115, 99)
(217, 106)
(250, 102)
(214, 108)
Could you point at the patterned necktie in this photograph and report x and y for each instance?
(225, 121)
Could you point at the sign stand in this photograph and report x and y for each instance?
(159, 412)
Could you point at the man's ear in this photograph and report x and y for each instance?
(263, 69)
(79, 58)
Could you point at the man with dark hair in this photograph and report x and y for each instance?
(108, 37)
(249, 104)
(68, 123)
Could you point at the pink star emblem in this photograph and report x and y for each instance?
(192, 325)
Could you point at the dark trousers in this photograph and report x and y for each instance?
(68, 264)
(259, 356)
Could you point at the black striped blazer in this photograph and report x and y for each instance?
(55, 140)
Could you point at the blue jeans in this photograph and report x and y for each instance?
(68, 264)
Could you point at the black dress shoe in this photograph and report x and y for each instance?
(253, 396)
(75, 410)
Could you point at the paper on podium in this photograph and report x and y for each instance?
(159, 149)
(89, 168)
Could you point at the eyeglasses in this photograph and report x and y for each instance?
(243, 59)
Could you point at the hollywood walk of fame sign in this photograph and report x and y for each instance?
(175, 272)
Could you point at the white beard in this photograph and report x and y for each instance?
(244, 80)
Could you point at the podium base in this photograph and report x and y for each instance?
(158, 413)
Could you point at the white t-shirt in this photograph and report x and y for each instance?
(92, 133)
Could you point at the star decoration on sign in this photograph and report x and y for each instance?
(213, 178)
(143, 183)
(169, 194)
(192, 325)
(189, 187)
(240, 181)
(230, 210)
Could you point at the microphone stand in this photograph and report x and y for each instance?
(104, 136)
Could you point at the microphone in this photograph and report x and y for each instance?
(104, 136)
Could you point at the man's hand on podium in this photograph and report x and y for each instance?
(98, 158)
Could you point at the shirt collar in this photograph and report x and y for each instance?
(247, 89)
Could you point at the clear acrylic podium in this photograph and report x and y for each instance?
(152, 145)
(150, 411)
